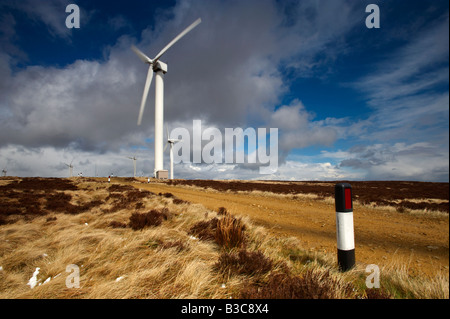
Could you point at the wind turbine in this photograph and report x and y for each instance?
(134, 164)
(160, 69)
(171, 141)
(4, 171)
(70, 168)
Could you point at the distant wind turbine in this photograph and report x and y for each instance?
(170, 142)
(70, 168)
(4, 171)
(134, 164)
(160, 69)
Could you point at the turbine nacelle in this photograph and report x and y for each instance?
(159, 66)
(173, 141)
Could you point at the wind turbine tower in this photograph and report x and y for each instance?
(160, 68)
(134, 164)
(70, 168)
(170, 142)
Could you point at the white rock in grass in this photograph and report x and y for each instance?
(33, 280)
(119, 278)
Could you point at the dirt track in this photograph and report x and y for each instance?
(383, 237)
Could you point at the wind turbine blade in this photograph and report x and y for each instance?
(148, 82)
(178, 37)
(165, 147)
(167, 131)
(141, 55)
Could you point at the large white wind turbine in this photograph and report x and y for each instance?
(170, 142)
(134, 164)
(160, 69)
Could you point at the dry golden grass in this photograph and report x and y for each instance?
(401, 284)
(167, 261)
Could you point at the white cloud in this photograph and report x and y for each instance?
(400, 161)
(298, 130)
(300, 171)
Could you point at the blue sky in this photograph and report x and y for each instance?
(349, 102)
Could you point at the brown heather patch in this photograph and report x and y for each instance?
(29, 198)
(40, 184)
(204, 230)
(377, 293)
(126, 198)
(312, 284)
(154, 217)
(8, 208)
(222, 211)
(118, 188)
(60, 203)
(116, 224)
(178, 201)
(135, 195)
(244, 262)
(166, 195)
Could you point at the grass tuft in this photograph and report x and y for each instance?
(230, 232)
(227, 232)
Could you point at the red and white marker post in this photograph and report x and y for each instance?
(344, 226)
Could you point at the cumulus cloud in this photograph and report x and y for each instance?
(86, 104)
(298, 129)
(418, 161)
